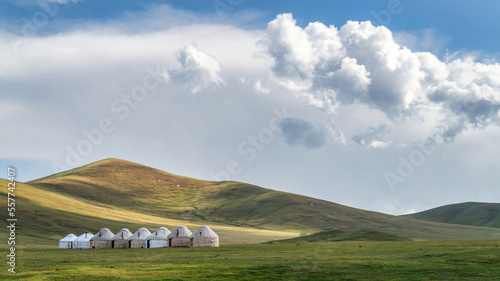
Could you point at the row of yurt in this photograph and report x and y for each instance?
(142, 238)
(73, 242)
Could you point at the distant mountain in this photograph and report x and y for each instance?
(470, 213)
(115, 193)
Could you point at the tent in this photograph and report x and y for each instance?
(204, 237)
(179, 237)
(158, 239)
(83, 241)
(67, 242)
(138, 239)
(102, 239)
(120, 240)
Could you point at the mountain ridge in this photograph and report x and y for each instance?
(122, 192)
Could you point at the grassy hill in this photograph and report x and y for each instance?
(344, 235)
(46, 216)
(470, 213)
(115, 193)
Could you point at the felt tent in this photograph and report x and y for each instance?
(120, 240)
(138, 239)
(67, 242)
(158, 239)
(83, 241)
(179, 237)
(204, 237)
(102, 239)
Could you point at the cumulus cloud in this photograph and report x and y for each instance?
(197, 71)
(301, 132)
(360, 64)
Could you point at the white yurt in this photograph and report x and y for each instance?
(204, 237)
(102, 239)
(120, 240)
(138, 239)
(67, 242)
(179, 237)
(158, 239)
(83, 241)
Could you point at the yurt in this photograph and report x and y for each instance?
(138, 239)
(67, 242)
(102, 239)
(120, 240)
(179, 237)
(204, 237)
(83, 241)
(158, 239)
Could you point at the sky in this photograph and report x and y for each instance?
(391, 106)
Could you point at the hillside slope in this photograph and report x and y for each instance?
(469, 213)
(46, 216)
(123, 190)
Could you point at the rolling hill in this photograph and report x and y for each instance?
(469, 213)
(344, 235)
(115, 193)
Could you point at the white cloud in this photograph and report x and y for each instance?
(197, 71)
(361, 64)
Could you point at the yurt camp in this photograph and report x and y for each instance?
(179, 237)
(138, 239)
(204, 237)
(102, 239)
(67, 242)
(158, 239)
(120, 240)
(83, 241)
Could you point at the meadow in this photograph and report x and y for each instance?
(349, 260)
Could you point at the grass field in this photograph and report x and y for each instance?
(350, 260)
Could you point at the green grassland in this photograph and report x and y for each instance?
(469, 213)
(349, 260)
(115, 193)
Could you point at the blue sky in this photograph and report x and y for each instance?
(398, 114)
(467, 25)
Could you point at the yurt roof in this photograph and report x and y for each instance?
(124, 234)
(204, 231)
(160, 233)
(142, 233)
(69, 238)
(182, 231)
(85, 237)
(103, 234)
